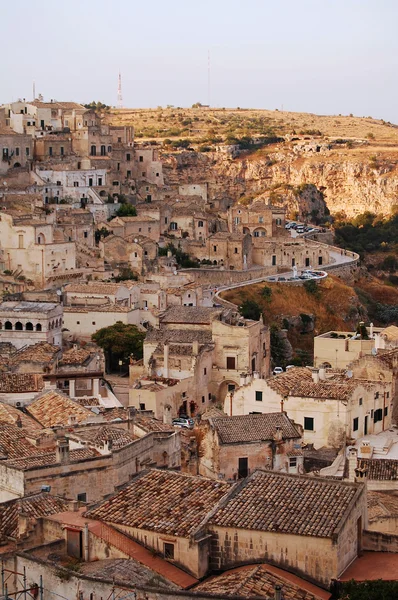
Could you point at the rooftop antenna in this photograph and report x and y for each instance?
(208, 77)
(119, 92)
(34, 91)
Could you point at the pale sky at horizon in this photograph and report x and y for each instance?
(319, 56)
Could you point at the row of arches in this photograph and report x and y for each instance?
(8, 326)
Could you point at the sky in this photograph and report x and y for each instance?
(319, 56)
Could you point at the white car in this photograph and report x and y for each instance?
(277, 371)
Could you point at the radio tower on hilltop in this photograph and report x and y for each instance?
(119, 92)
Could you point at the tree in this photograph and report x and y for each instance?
(266, 293)
(250, 310)
(126, 210)
(101, 233)
(119, 342)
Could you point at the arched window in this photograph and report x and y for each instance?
(7, 325)
(103, 151)
(93, 150)
(38, 327)
(18, 326)
(41, 238)
(29, 326)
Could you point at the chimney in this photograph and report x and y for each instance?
(315, 375)
(278, 592)
(166, 360)
(371, 330)
(352, 463)
(242, 379)
(62, 451)
(278, 434)
(195, 347)
(18, 422)
(322, 373)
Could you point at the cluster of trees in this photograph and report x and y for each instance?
(98, 106)
(119, 342)
(182, 258)
(126, 210)
(367, 232)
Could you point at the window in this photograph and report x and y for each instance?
(278, 221)
(109, 148)
(387, 394)
(27, 151)
(93, 150)
(82, 497)
(103, 150)
(143, 173)
(128, 157)
(236, 251)
(259, 396)
(256, 234)
(243, 467)
(168, 550)
(157, 174)
(16, 151)
(141, 159)
(273, 260)
(319, 260)
(115, 183)
(360, 401)
(142, 406)
(261, 219)
(173, 226)
(99, 180)
(307, 262)
(18, 326)
(5, 152)
(200, 224)
(231, 387)
(29, 326)
(61, 150)
(378, 415)
(38, 327)
(20, 241)
(118, 166)
(376, 395)
(128, 174)
(8, 325)
(209, 396)
(203, 399)
(308, 424)
(75, 184)
(355, 423)
(119, 139)
(293, 462)
(230, 362)
(205, 371)
(93, 322)
(236, 220)
(214, 248)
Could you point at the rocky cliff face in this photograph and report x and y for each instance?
(351, 180)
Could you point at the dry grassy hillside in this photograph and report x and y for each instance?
(196, 123)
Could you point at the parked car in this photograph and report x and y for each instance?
(289, 367)
(185, 422)
(277, 371)
(300, 229)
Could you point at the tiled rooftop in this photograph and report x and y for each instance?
(287, 381)
(93, 288)
(75, 356)
(98, 435)
(27, 307)
(53, 408)
(149, 424)
(190, 314)
(49, 458)
(34, 506)
(39, 353)
(13, 383)
(259, 581)
(278, 502)
(10, 414)
(125, 570)
(178, 336)
(382, 505)
(116, 308)
(163, 501)
(381, 469)
(253, 428)
(13, 442)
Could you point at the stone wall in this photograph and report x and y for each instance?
(220, 277)
(376, 541)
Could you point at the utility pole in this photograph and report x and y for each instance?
(208, 77)
(119, 92)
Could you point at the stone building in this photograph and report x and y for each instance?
(271, 516)
(134, 226)
(16, 150)
(331, 408)
(25, 323)
(299, 253)
(258, 219)
(136, 252)
(234, 447)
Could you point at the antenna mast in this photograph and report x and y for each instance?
(208, 77)
(119, 92)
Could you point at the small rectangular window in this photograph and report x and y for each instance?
(230, 362)
(205, 371)
(203, 399)
(16, 151)
(62, 150)
(141, 159)
(209, 396)
(293, 462)
(169, 551)
(128, 157)
(82, 497)
(376, 395)
(50, 151)
(360, 401)
(259, 396)
(308, 423)
(355, 423)
(385, 411)
(27, 151)
(236, 251)
(273, 260)
(215, 248)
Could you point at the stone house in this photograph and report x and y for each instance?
(56, 146)
(136, 252)
(26, 323)
(309, 526)
(283, 253)
(16, 150)
(147, 166)
(330, 408)
(205, 351)
(95, 293)
(81, 322)
(230, 250)
(258, 219)
(233, 447)
(30, 249)
(179, 503)
(77, 225)
(134, 226)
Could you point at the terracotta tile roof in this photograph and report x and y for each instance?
(75, 356)
(56, 105)
(116, 308)
(390, 333)
(49, 458)
(13, 442)
(10, 414)
(93, 288)
(34, 506)
(162, 501)
(110, 414)
(253, 428)
(126, 571)
(190, 314)
(39, 353)
(13, 383)
(53, 408)
(151, 424)
(259, 581)
(178, 336)
(382, 505)
(387, 357)
(104, 433)
(269, 501)
(380, 468)
(27, 307)
(287, 381)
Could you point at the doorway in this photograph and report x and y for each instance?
(243, 467)
(365, 426)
